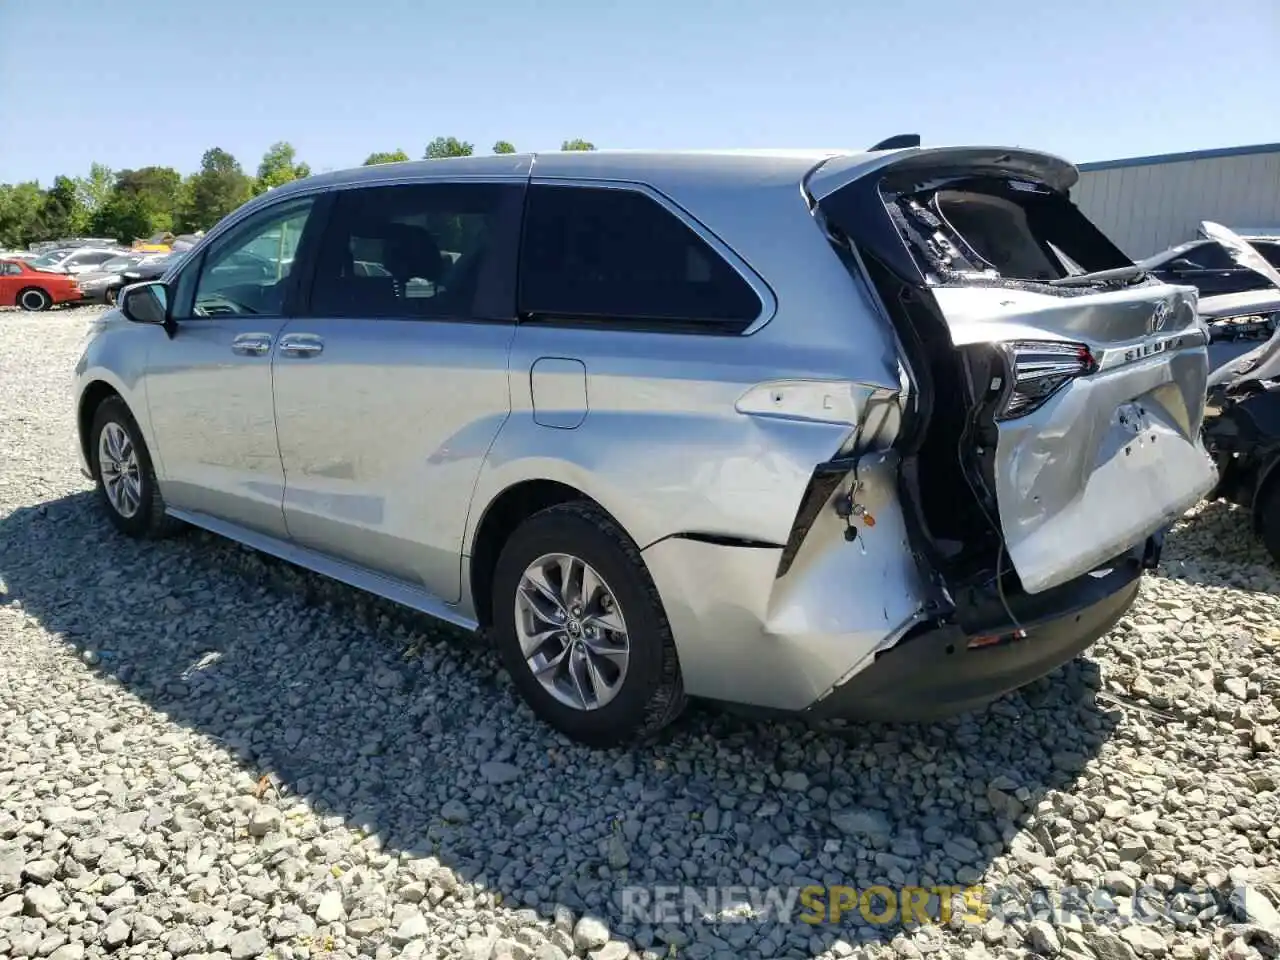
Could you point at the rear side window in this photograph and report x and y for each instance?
(619, 258)
(1207, 256)
(427, 250)
(1271, 251)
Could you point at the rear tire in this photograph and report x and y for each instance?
(1269, 518)
(33, 300)
(122, 469)
(609, 686)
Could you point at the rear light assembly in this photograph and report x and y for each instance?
(1038, 369)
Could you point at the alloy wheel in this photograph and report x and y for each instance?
(571, 630)
(121, 473)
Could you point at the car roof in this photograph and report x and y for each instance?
(637, 165)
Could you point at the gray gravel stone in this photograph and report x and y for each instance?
(329, 909)
(590, 933)
(264, 820)
(496, 772)
(455, 811)
(43, 901)
(247, 944)
(1043, 938)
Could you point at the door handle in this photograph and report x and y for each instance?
(251, 344)
(301, 345)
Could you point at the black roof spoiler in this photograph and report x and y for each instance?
(897, 142)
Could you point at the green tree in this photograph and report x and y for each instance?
(220, 187)
(577, 145)
(141, 204)
(393, 156)
(19, 213)
(61, 213)
(442, 147)
(95, 189)
(504, 146)
(279, 166)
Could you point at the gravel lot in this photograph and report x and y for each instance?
(203, 751)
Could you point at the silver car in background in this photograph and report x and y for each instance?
(863, 435)
(103, 284)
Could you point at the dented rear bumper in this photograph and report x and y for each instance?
(937, 672)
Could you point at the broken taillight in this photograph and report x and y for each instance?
(1040, 368)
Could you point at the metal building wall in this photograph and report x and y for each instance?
(1148, 204)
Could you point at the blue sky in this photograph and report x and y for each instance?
(137, 83)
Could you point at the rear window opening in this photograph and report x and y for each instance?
(993, 229)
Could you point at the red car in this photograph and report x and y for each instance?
(21, 286)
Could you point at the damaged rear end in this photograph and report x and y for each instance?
(1052, 429)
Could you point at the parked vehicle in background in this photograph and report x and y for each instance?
(75, 260)
(1206, 265)
(1242, 422)
(878, 435)
(21, 285)
(152, 266)
(103, 284)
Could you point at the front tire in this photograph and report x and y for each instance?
(126, 480)
(581, 628)
(33, 300)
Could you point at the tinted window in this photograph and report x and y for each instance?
(1207, 256)
(443, 250)
(245, 271)
(618, 255)
(1269, 250)
(91, 257)
(9, 269)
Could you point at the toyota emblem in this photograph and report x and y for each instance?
(1158, 318)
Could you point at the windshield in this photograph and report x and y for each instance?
(49, 259)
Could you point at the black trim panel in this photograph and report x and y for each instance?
(934, 672)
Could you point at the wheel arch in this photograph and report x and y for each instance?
(49, 297)
(500, 518)
(99, 385)
(90, 399)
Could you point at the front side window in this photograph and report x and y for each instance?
(10, 270)
(617, 256)
(245, 272)
(427, 250)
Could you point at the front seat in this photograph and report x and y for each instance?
(411, 253)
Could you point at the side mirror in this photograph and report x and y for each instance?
(1182, 263)
(146, 303)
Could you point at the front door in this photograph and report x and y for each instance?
(10, 280)
(208, 388)
(392, 384)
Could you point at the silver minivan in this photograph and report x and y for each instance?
(876, 435)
